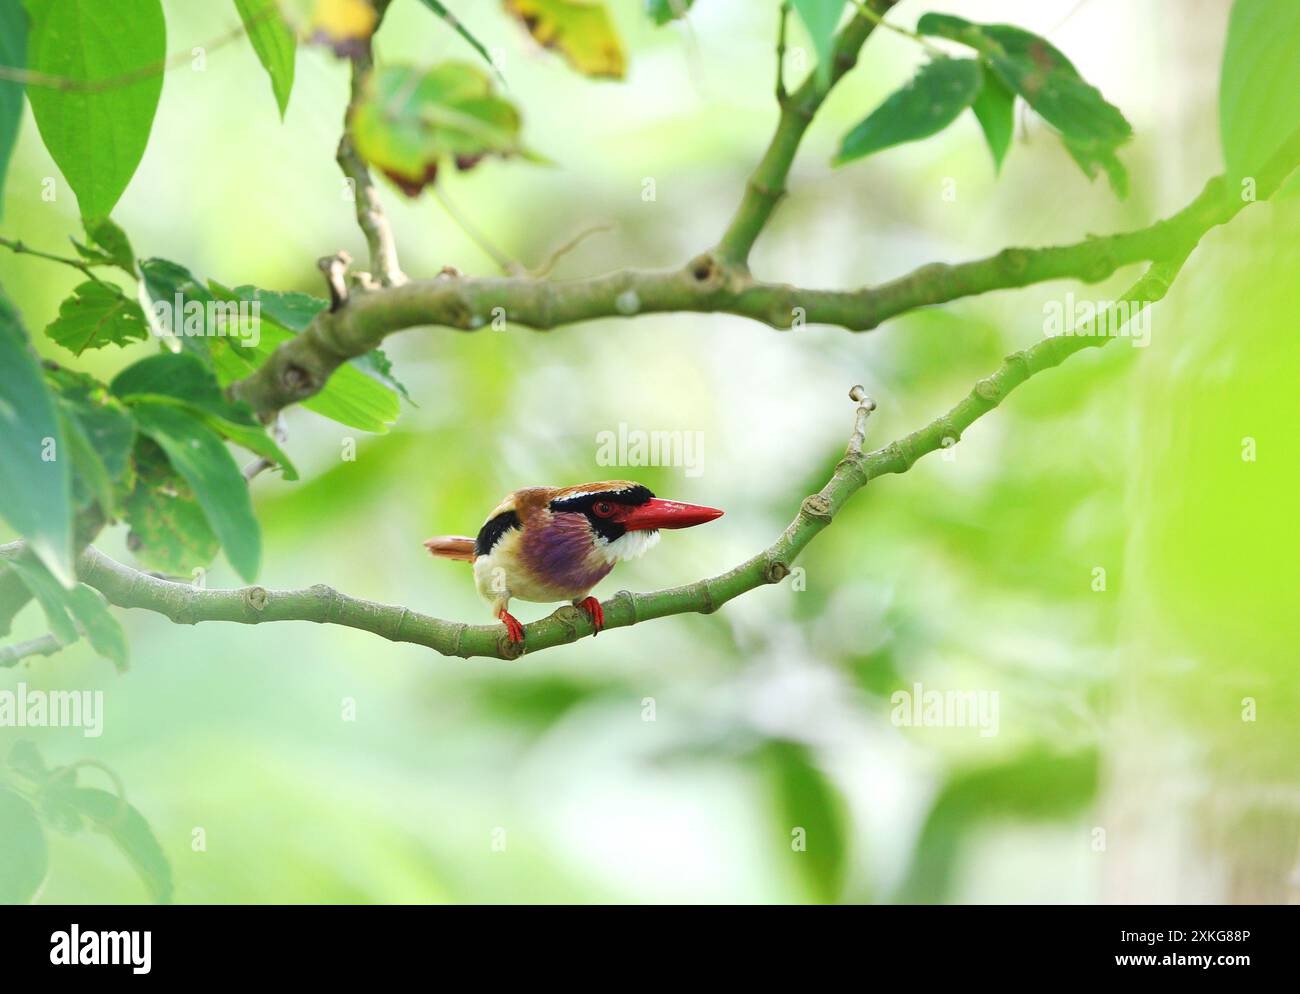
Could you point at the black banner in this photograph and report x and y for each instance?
(141, 944)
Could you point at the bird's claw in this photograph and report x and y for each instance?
(592, 606)
(514, 630)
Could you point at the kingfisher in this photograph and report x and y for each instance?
(545, 544)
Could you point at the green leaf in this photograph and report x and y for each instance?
(1033, 67)
(26, 760)
(36, 495)
(1035, 786)
(175, 295)
(112, 242)
(24, 857)
(252, 437)
(49, 593)
(105, 422)
(97, 315)
(663, 11)
(13, 53)
(806, 800)
(97, 134)
(198, 455)
(455, 24)
(103, 631)
(168, 529)
(255, 439)
(939, 91)
(1258, 105)
(293, 310)
(377, 365)
(273, 41)
(821, 18)
(62, 606)
(994, 108)
(411, 120)
(91, 483)
(580, 30)
(130, 832)
(183, 377)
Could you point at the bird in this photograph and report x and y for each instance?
(544, 544)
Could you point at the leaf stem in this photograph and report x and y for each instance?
(920, 39)
(18, 247)
(485, 245)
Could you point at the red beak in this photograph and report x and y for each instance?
(657, 513)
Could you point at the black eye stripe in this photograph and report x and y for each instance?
(583, 503)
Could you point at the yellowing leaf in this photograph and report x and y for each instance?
(344, 25)
(581, 30)
(409, 121)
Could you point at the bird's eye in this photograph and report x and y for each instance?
(604, 508)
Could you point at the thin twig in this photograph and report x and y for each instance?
(546, 267)
(503, 261)
(783, 17)
(20, 248)
(865, 406)
(11, 655)
(371, 218)
(766, 185)
(920, 39)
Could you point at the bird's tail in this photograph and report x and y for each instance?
(451, 547)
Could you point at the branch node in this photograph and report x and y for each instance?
(630, 597)
(256, 598)
(335, 268)
(988, 390)
(1100, 268)
(327, 595)
(705, 268)
(568, 616)
(1014, 261)
(776, 571)
(297, 380)
(707, 594)
(816, 506)
(898, 454)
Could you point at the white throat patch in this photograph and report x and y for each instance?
(629, 545)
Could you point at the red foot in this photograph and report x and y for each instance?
(592, 606)
(514, 630)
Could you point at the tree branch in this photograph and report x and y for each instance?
(766, 185)
(186, 604)
(11, 655)
(300, 367)
(370, 212)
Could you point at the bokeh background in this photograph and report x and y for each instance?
(1122, 769)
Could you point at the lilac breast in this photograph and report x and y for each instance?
(561, 552)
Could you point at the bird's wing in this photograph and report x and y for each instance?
(451, 547)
